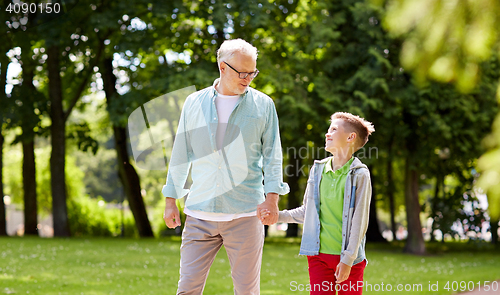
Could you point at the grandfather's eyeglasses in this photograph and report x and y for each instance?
(244, 75)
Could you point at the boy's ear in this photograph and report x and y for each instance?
(352, 137)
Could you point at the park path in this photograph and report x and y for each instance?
(477, 292)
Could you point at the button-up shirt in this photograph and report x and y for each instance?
(235, 178)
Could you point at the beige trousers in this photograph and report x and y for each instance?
(243, 239)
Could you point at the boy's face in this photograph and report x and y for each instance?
(338, 140)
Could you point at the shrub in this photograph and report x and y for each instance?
(88, 218)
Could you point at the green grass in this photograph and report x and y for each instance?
(151, 266)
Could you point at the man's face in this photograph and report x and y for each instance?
(230, 83)
(336, 139)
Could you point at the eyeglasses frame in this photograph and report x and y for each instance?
(240, 73)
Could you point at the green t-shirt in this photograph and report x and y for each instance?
(331, 193)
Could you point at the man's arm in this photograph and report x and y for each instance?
(272, 167)
(178, 170)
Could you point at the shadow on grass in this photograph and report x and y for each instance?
(434, 248)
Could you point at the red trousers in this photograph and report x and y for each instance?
(322, 276)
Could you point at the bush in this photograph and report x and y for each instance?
(88, 218)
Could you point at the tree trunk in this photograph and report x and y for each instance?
(58, 143)
(127, 173)
(3, 220)
(494, 231)
(293, 197)
(4, 62)
(415, 241)
(434, 208)
(373, 232)
(390, 196)
(29, 186)
(131, 183)
(28, 123)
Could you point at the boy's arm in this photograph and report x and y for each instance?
(360, 217)
(293, 216)
(297, 215)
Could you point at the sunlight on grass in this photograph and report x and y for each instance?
(151, 266)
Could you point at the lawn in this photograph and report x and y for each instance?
(150, 266)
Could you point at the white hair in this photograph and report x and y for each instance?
(230, 47)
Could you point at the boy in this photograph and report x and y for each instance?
(335, 211)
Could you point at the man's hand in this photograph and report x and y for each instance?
(342, 272)
(171, 215)
(270, 205)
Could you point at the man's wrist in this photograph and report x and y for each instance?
(272, 197)
(170, 202)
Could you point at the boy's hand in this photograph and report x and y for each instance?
(342, 272)
(264, 213)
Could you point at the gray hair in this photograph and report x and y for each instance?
(230, 47)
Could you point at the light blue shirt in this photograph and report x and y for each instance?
(235, 178)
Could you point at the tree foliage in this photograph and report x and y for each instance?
(315, 58)
(448, 41)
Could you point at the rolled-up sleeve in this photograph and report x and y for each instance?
(272, 155)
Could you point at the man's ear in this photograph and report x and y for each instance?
(352, 137)
(222, 67)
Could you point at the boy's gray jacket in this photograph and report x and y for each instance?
(354, 218)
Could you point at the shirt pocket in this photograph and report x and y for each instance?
(252, 128)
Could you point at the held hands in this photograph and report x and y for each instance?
(342, 272)
(264, 214)
(171, 215)
(268, 211)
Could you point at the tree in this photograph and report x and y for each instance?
(448, 42)
(120, 106)
(355, 67)
(3, 98)
(5, 46)
(67, 92)
(3, 223)
(26, 106)
(127, 173)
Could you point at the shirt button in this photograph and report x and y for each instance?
(217, 185)
(219, 167)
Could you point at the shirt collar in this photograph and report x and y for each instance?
(217, 82)
(343, 170)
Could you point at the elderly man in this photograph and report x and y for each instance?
(228, 135)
